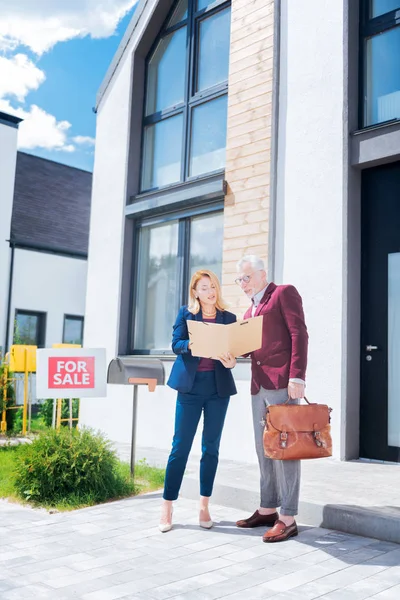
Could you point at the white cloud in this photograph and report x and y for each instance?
(84, 140)
(39, 25)
(18, 76)
(39, 129)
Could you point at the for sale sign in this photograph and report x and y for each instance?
(71, 373)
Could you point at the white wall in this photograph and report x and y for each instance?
(113, 415)
(310, 234)
(8, 157)
(48, 283)
(156, 414)
(55, 285)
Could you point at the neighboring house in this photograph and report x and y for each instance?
(253, 126)
(44, 230)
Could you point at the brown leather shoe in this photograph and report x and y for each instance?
(257, 520)
(280, 532)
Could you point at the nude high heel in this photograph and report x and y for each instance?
(164, 527)
(206, 524)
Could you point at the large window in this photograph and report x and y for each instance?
(30, 328)
(169, 253)
(73, 330)
(381, 50)
(185, 111)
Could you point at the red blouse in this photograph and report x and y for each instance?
(207, 364)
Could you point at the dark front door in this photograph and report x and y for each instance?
(380, 314)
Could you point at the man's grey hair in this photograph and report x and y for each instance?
(256, 262)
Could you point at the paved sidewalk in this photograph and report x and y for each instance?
(355, 497)
(115, 551)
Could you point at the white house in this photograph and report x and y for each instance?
(253, 126)
(44, 229)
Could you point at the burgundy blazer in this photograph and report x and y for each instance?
(283, 354)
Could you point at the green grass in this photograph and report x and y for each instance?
(7, 461)
(38, 424)
(147, 479)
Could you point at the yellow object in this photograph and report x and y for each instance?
(3, 416)
(25, 409)
(59, 420)
(59, 410)
(66, 346)
(18, 354)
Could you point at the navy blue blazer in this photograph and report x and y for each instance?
(185, 366)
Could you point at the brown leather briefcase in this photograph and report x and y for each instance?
(297, 431)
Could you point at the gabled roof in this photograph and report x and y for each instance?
(118, 56)
(51, 208)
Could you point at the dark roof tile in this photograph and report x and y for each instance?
(51, 205)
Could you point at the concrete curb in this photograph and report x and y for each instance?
(377, 523)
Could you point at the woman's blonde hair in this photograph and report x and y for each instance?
(194, 303)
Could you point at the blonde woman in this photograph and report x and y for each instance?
(204, 386)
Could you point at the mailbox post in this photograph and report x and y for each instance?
(136, 371)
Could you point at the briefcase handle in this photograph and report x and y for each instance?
(300, 398)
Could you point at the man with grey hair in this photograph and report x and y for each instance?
(278, 371)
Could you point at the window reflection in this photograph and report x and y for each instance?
(214, 50)
(383, 77)
(203, 4)
(166, 73)
(73, 330)
(157, 291)
(380, 7)
(206, 239)
(162, 153)
(180, 13)
(208, 137)
(27, 329)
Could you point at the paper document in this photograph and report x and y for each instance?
(210, 340)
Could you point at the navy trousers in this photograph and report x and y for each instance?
(202, 398)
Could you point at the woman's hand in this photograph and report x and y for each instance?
(228, 360)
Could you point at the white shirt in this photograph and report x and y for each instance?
(256, 299)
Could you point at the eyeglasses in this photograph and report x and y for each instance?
(245, 278)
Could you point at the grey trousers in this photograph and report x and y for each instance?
(280, 479)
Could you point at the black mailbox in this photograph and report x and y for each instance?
(132, 370)
(136, 371)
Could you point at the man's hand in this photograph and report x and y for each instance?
(228, 360)
(296, 390)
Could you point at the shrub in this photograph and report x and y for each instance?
(46, 411)
(75, 467)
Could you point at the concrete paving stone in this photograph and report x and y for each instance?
(391, 559)
(6, 585)
(292, 580)
(29, 592)
(186, 585)
(36, 566)
(391, 575)
(108, 559)
(308, 591)
(392, 593)
(42, 576)
(77, 577)
(123, 555)
(192, 595)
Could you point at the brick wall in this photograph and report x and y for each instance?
(248, 140)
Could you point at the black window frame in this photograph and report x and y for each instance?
(191, 98)
(369, 28)
(42, 320)
(73, 318)
(184, 218)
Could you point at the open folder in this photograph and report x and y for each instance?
(210, 340)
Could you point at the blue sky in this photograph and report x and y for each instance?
(52, 83)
